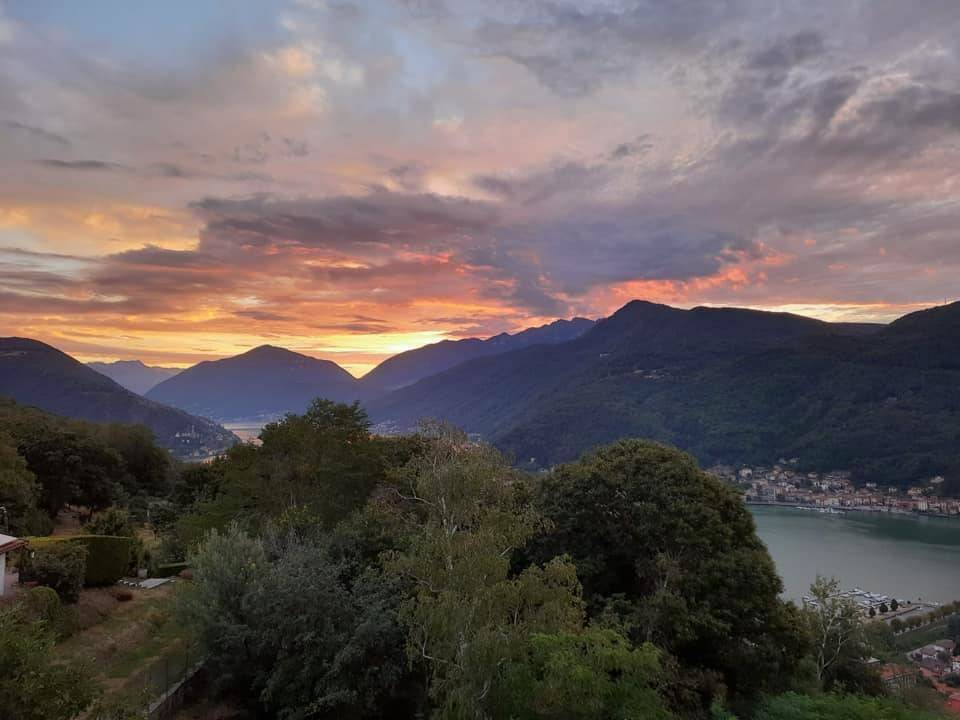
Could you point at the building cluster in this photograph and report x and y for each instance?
(785, 484)
(937, 658)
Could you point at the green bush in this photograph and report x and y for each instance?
(57, 565)
(42, 604)
(113, 521)
(107, 560)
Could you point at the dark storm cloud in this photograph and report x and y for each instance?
(341, 223)
(531, 189)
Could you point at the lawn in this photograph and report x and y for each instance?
(138, 649)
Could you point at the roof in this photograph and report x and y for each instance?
(9, 543)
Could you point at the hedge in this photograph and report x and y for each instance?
(108, 556)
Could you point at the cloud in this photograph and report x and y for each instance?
(95, 165)
(38, 133)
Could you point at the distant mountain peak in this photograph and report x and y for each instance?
(262, 383)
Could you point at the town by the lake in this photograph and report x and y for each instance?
(834, 491)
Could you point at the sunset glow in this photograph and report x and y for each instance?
(355, 180)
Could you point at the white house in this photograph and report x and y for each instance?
(7, 544)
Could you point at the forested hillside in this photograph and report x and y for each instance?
(725, 384)
(34, 373)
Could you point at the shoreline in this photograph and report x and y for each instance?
(841, 510)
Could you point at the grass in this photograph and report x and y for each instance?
(139, 646)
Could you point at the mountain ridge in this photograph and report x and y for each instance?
(35, 373)
(726, 384)
(408, 367)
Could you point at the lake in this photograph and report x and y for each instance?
(906, 557)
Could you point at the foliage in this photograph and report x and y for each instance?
(671, 555)
(837, 707)
(18, 491)
(594, 674)
(33, 685)
(57, 565)
(76, 462)
(42, 604)
(325, 459)
(839, 640)
(323, 464)
(73, 468)
(112, 521)
(107, 558)
(953, 628)
(296, 629)
(468, 615)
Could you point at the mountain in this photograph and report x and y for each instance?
(133, 374)
(726, 384)
(33, 373)
(409, 367)
(260, 384)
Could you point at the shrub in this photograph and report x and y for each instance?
(113, 521)
(107, 559)
(123, 595)
(42, 604)
(58, 565)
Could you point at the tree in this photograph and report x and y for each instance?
(34, 685)
(306, 632)
(884, 609)
(953, 628)
(325, 459)
(894, 604)
(72, 468)
(872, 613)
(112, 521)
(674, 554)
(896, 625)
(838, 639)
(147, 465)
(469, 616)
(18, 491)
(593, 674)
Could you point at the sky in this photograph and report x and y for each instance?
(187, 180)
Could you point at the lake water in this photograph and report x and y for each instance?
(906, 557)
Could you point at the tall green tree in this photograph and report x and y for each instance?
(469, 616)
(19, 491)
(72, 468)
(325, 458)
(840, 643)
(673, 555)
